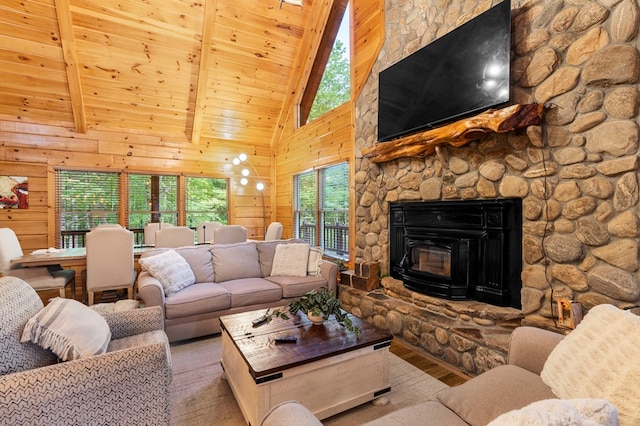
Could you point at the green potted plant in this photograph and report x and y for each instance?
(318, 305)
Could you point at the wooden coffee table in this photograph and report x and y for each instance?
(327, 369)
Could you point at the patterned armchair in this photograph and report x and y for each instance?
(127, 385)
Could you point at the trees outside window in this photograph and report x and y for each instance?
(206, 201)
(86, 199)
(329, 84)
(322, 209)
(152, 198)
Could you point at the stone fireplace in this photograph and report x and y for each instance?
(459, 250)
(576, 174)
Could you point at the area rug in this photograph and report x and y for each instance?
(201, 396)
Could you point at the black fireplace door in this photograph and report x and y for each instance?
(441, 266)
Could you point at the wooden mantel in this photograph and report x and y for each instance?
(458, 133)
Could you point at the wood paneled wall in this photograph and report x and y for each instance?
(35, 149)
(329, 139)
(32, 150)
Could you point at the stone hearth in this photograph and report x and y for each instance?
(577, 174)
(469, 335)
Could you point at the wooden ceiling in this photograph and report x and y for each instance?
(189, 70)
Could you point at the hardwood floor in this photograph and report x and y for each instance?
(430, 365)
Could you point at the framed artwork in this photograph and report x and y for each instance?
(14, 192)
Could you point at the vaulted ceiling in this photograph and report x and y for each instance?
(190, 70)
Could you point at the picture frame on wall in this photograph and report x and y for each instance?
(14, 192)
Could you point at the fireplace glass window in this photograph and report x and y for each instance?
(431, 260)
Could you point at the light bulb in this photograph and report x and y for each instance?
(245, 172)
(243, 157)
(244, 181)
(236, 161)
(260, 186)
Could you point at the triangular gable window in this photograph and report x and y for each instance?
(329, 85)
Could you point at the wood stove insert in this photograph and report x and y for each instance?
(460, 250)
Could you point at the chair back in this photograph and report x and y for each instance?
(230, 234)
(109, 258)
(205, 231)
(274, 231)
(150, 232)
(18, 303)
(9, 249)
(175, 236)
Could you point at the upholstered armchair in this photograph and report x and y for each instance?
(126, 385)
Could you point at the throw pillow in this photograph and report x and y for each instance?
(561, 412)
(70, 329)
(315, 260)
(235, 261)
(291, 260)
(171, 269)
(595, 361)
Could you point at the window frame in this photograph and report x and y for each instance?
(336, 16)
(320, 212)
(76, 238)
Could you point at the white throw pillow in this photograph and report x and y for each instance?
(171, 269)
(561, 412)
(69, 329)
(599, 360)
(291, 260)
(315, 260)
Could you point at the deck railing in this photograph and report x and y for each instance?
(335, 238)
(72, 239)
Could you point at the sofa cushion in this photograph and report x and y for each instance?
(593, 361)
(425, 413)
(69, 328)
(197, 299)
(291, 260)
(199, 259)
(235, 261)
(251, 291)
(482, 399)
(297, 286)
(561, 412)
(266, 251)
(171, 269)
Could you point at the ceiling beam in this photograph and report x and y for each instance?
(203, 72)
(67, 38)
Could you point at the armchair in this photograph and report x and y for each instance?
(127, 385)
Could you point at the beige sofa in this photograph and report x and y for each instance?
(228, 278)
(590, 377)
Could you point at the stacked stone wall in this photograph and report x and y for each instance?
(577, 174)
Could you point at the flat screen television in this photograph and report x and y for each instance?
(460, 74)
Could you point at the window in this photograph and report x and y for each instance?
(322, 197)
(152, 198)
(329, 83)
(84, 200)
(206, 200)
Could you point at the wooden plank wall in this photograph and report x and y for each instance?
(330, 139)
(34, 149)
